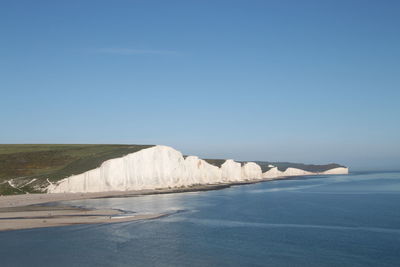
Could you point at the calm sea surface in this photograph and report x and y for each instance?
(349, 220)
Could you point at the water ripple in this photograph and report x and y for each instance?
(228, 223)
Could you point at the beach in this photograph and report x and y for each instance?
(28, 211)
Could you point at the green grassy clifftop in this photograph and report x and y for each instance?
(20, 164)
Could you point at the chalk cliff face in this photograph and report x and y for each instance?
(272, 173)
(295, 172)
(198, 171)
(251, 171)
(340, 170)
(164, 167)
(231, 171)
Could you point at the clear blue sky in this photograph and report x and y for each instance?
(304, 81)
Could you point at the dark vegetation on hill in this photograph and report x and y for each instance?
(215, 162)
(282, 166)
(23, 163)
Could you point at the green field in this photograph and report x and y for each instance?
(23, 163)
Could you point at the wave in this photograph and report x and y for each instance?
(228, 223)
(291, 188)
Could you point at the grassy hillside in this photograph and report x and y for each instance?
(23, 163)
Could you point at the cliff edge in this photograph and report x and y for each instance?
(164, 167)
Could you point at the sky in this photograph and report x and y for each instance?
(313, 81)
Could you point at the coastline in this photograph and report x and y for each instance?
(28, 211)
(9, 201)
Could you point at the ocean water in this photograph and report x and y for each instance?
(344, 220)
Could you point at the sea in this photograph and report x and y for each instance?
(339, 220)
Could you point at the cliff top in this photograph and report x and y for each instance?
(23, 163)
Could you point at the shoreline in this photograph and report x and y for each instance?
(27, 211)
(21, 200)
(38, 216)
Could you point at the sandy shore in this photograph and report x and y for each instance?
(27, 217)
(25, 211)
(32, 199)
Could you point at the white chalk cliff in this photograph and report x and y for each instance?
(164, 167)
